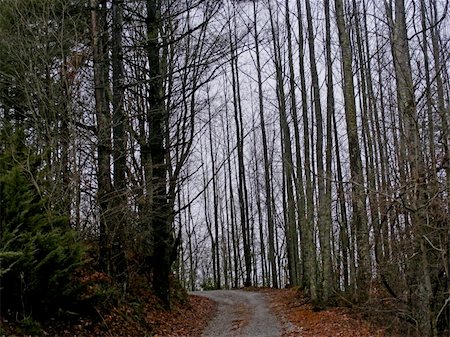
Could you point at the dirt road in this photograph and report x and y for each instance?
(241, 313)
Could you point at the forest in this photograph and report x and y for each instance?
(218, 144)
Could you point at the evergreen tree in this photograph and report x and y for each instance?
(38, 253)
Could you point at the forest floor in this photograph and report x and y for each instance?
(295, 310)
(143, 316)
(284, 313)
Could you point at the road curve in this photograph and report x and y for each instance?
(241, 313)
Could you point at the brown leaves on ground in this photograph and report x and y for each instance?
(291, 307)
(187, 320)
(143, 315)
(150, 319)
(140, 314)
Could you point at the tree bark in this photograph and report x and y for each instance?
(242, 188)
(215, 242)
(309, 249)
(417, 192)
(120, 144)
(359, 218)
(323, 207)
(267, 180)
(159, 220)
(290, 225)
(100, 52)
(327, 217)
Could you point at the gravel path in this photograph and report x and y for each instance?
(241, 313)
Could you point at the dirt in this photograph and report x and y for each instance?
(241, 313)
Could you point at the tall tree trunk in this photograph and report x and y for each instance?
(159, 220)
(327, 218)
(291, 228)
(309, 258)
(298, 175)
(382, 139)
(242, 188)
(444, 111)
(120, 144)
(348, 265)
(267, 180)
(359, 216)
(206, 208)
(228, 220)
(429, 108)
(234, 231)
(323, 220)
(363, 77)
(216, 247)
(257, 197)
(444, 114)
(100, 51)
(417, 191)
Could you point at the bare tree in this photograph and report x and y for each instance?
(99, 31)
(267, 179)
(359, 220)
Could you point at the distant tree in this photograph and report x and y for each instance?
(239, 127)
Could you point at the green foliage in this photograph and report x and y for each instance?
(38, 253)
(104, 294)
(30, 327)
(208, 284)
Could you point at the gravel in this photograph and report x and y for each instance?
(241, 313)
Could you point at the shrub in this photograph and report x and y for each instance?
(38, 252)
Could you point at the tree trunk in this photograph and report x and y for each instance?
(100, 52)
(216, 247)
(267, 180)
(417, 190)
(120, 143)
(298, 180)
(327, 217)
(359, 217)
(157, 117)
(290, 225)
(242, 188)
(234, 236)
(309, 258)
(323, 207)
